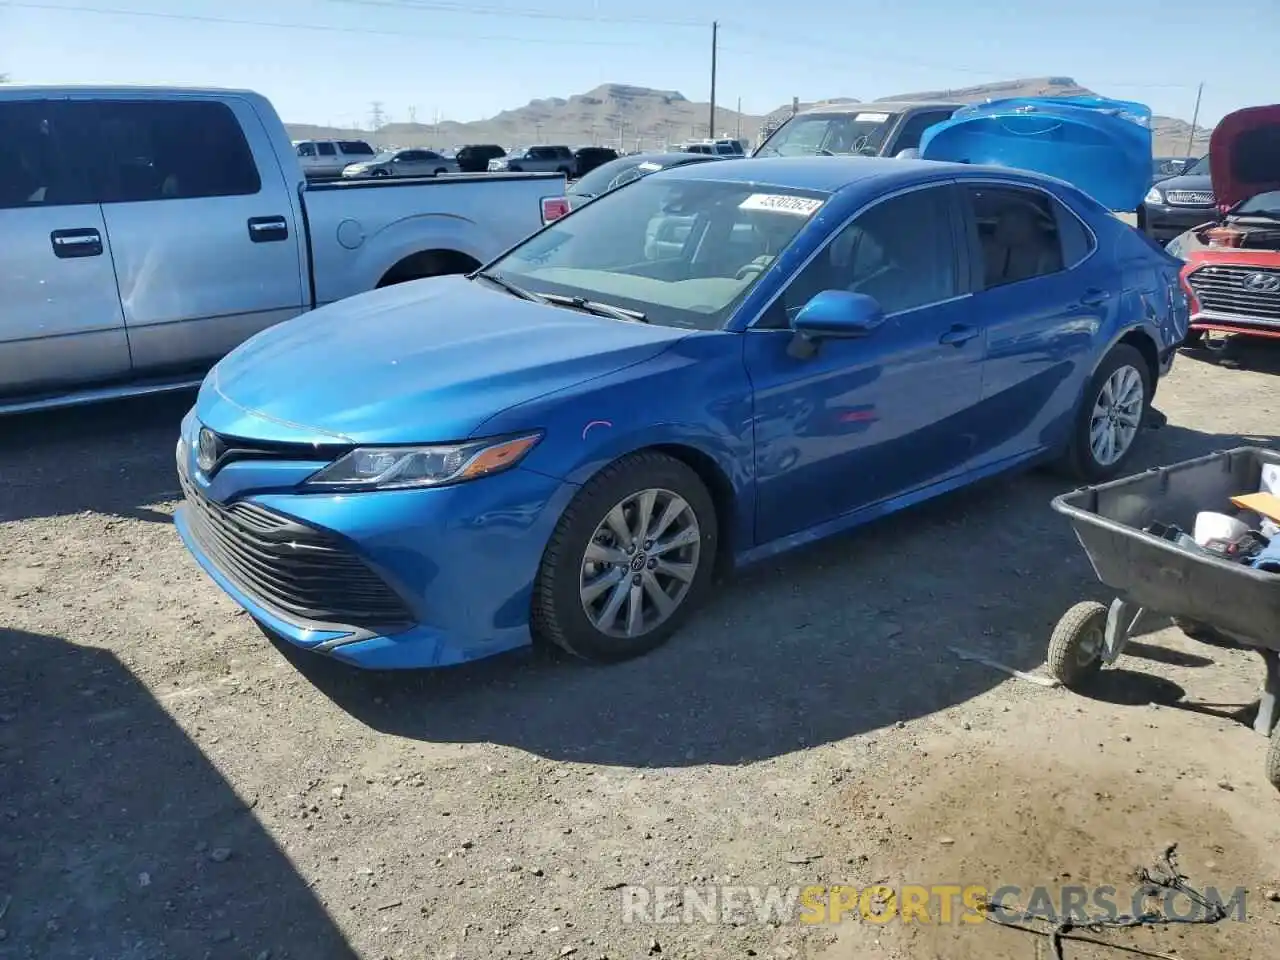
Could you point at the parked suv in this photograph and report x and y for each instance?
(540, 159)
(1176, 204)
(328, 158)
(876, 129)
(474, 158)
(586, 159)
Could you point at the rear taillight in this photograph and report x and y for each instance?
(553, 208)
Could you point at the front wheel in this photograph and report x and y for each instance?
(1194, 338)
(628, 561)
(1111, 415)
(1077, 644)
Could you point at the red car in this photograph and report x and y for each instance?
(1232, 269)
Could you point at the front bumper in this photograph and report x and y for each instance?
(1163, 222)
(459, 561)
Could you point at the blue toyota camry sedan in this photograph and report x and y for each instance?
(704, 368)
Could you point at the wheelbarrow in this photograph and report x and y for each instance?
(1213, 600)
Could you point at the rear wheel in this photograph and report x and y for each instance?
(440, 171)
(1111, 415)
(628, 561)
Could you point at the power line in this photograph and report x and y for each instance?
(316, 27)
(436, 6)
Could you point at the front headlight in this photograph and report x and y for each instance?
(398, 468)
(1153, 196)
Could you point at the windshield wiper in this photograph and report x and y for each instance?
(499, 281)
(599, 309)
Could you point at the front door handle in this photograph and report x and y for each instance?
(268, 229)
(958, 336)
(80, 242)
(1094, 298)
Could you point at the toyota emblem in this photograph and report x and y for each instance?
(1262, 282)
(207, 449)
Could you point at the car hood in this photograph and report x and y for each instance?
(1244, 155)
(1101, 146)
(1186, 181)
(418, 362)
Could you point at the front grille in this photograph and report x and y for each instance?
(1190, 198)
(1223, 289)
(296, 570)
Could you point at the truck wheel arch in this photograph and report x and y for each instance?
(429, 263)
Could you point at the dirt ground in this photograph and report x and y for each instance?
(172, 785)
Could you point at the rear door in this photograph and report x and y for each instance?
(61, 324)
(1038, 309)
(205, 248)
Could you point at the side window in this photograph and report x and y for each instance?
(326, 149)
(1077, 241)
(306, 149)
(34, 166)
(428, 155)
(916, 125)
(171, 150)
(1018, 234)
(900, 251)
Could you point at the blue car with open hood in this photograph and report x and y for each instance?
(704, 368)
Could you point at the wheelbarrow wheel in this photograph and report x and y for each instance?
(1076, 646)
(1273, 759)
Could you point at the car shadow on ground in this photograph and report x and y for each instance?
(112, 458)
(119, 838)
(1240, 353)
(846, 637)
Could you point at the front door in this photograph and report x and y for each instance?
(862, 421)
(60, 320)
(205, 249)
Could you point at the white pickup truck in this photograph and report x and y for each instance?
(145, 232)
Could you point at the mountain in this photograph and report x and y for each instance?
(649, 119)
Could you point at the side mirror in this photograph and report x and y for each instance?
(838, 314)
(911, 153)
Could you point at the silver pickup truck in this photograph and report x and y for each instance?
(145, 232)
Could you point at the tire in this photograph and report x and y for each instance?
(515, 169)
(1083, 462)
(1194, 338)
(440, 171)
(562, 594)
(1076, 645)
(1273, 759)
(563, 170)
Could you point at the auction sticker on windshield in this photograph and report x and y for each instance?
(871, 117)
(781, 203)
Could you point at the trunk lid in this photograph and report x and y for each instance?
(1100, 146)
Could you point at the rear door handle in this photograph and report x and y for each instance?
(268, 229)
(1094, 298)
(80, 242)
(958, 336)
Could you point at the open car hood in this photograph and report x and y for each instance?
(1244, 155)
(1100, 146)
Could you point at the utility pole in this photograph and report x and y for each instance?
(738, 134)
(413, 114)
(711, 120)
(1191, 140)
(376, 116)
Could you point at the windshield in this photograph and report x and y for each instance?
(683, 252)
(829, 134)
(1200, 168)
(623, 170)
(385, 156)
(1263, 205)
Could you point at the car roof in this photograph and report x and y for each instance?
(830, 174)
(882, 106)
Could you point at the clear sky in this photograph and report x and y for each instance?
(325, 61)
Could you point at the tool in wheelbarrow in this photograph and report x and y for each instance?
(1213, 598)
